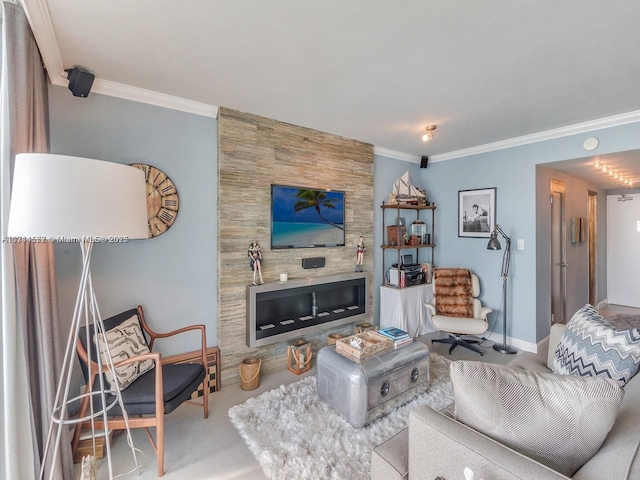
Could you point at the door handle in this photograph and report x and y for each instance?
(564, 264)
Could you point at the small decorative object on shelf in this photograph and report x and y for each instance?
(255, 262)
(331, 339)
(423, 202)
(299, 356)
(396, 235)
(405, 192)
(364, 326)
(419, 230)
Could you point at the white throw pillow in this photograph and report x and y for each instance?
(560, 421)
(125, 341)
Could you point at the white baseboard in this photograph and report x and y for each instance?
(602, 304)
(515, 342)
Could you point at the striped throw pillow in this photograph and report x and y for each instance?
(592, 346)
(557, 420)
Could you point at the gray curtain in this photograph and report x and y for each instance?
(37, 304)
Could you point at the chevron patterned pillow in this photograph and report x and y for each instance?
(558, 420)
(591, 346)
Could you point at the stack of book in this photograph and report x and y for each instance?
(399, 337)
(85, 445)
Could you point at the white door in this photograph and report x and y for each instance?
(623, 250)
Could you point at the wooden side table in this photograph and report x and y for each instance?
(213, 367)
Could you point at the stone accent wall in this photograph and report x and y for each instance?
(253, 153)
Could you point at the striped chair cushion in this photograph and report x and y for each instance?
(558, 420)
(125, 341)
(592, 346)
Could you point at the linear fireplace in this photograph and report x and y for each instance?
(278, 311)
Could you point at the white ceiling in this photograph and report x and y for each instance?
(377, 71)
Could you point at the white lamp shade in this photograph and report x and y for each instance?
(64, 198)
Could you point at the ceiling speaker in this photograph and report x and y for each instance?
(80, 81)
(424, 161)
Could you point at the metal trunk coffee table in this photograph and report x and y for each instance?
(361, 390)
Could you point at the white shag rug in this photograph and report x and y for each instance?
(293, 434)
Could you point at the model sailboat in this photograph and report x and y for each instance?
(404, 191)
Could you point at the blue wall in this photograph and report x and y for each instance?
(174, 275)
(385, 172)
(513, 172)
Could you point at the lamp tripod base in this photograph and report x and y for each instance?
(504, 349)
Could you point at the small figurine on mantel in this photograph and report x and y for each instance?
(255, 262)
(360, 249)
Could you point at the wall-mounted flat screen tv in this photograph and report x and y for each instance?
(306, 217)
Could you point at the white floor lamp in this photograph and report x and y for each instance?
(79, 200)
(494, 244)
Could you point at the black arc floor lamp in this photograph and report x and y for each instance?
(494, 244)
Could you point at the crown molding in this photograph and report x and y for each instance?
(575, 129)
(39, 18)
(578, 128)
(386, 152)
(127, 92)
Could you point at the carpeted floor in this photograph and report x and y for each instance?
(624, 321)
(293, 434)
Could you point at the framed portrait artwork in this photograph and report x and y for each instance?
(476, 212)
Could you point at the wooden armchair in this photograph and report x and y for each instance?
(151, 395)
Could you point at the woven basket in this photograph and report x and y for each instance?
(250, 373)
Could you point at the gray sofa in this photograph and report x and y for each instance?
(435, 445)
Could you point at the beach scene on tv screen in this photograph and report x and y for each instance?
(306, 217)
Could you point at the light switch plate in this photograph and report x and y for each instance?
(520, 244)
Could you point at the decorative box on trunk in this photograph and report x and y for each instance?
(361, 391)
(363, 327)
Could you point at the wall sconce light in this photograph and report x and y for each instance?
(429, 135)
